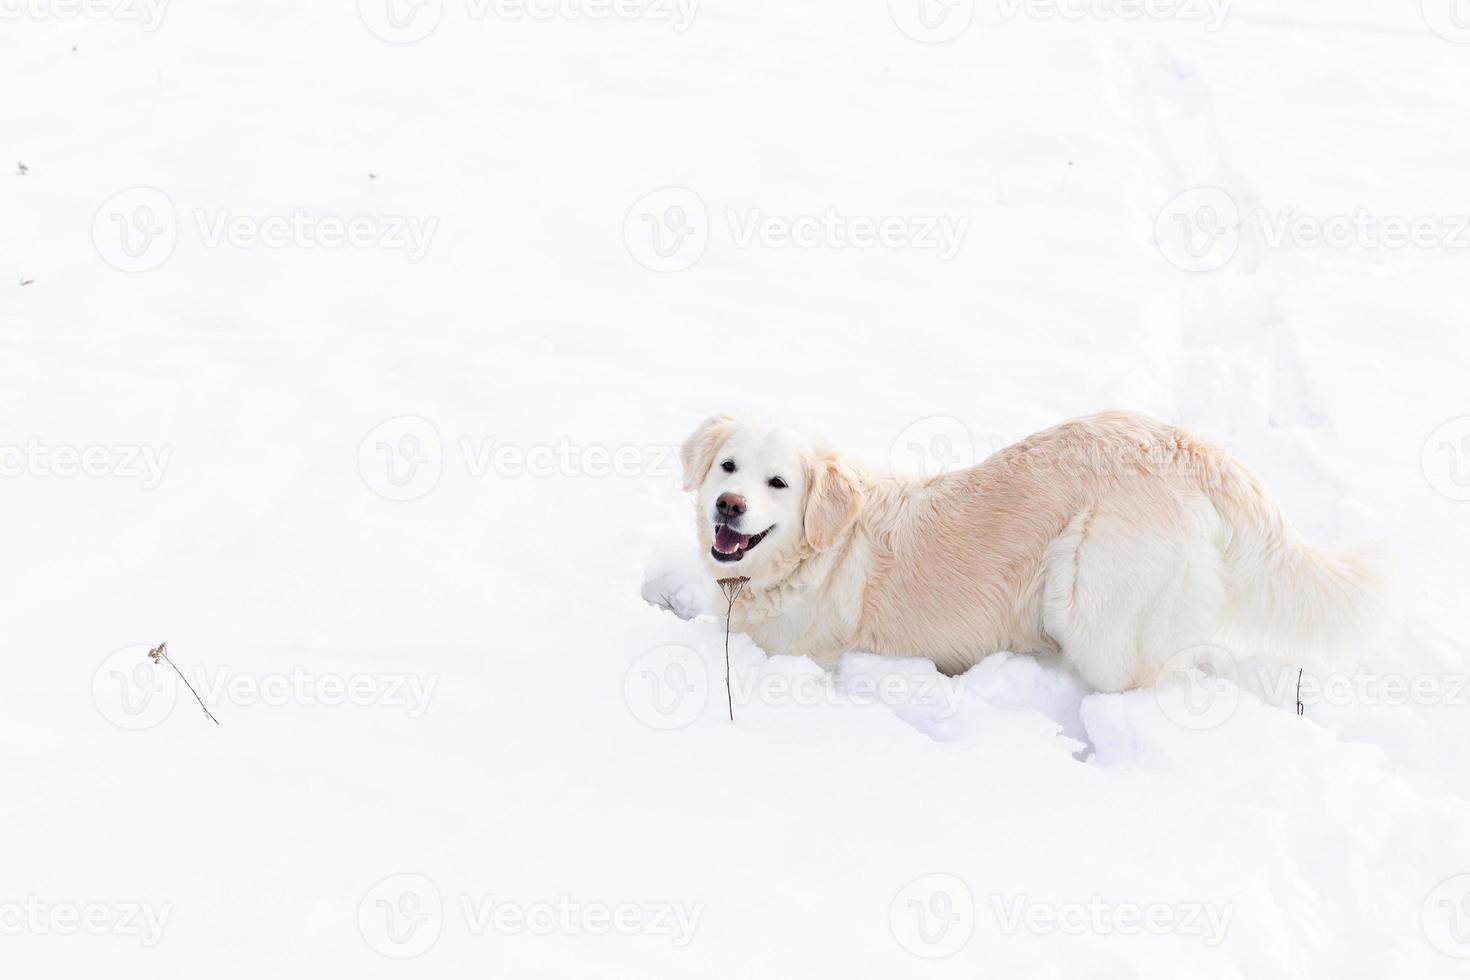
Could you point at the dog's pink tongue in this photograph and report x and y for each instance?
(728, 541)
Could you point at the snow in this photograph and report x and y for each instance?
(399, 508)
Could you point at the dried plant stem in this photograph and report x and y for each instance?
(732, 588)
(159, 654)
(729, 698)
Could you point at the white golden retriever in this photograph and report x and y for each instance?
(1116, 541)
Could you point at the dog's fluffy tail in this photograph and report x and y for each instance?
(1287, 599)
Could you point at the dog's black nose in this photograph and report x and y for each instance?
(730, 505)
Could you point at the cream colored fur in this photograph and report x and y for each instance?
(1114, 540)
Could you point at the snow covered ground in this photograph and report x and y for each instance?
(344, 348)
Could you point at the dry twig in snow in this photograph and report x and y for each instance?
(159, 655)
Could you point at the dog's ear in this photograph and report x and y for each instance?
(833, 500)
(697, 454)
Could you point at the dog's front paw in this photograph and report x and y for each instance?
(675, 592)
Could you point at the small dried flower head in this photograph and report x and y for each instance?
(158, 651)
(732, 587)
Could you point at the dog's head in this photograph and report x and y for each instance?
(764, 495)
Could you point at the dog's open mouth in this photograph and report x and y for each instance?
(731, 545)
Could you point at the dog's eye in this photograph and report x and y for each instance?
(776, 483)
(728, 466)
